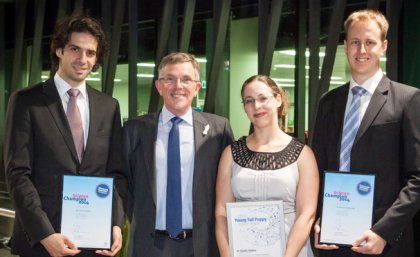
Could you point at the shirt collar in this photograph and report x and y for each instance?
(167, 116)
(62, 87)
(370, 84)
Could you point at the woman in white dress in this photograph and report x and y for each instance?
(269, 165)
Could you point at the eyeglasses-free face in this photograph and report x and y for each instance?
(77, 58)
(364, 47)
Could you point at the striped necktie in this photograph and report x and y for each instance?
(351, 125)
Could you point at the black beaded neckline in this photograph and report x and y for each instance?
(247, 158)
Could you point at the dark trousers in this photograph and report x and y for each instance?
(84, 253)
(416, 229)
(167, 247)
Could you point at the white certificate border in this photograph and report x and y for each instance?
(99, 180)
(279, 203)
(371, 176)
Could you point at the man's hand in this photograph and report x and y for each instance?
(317, 230)
(58, 245)
(369, 243)
(116, 245)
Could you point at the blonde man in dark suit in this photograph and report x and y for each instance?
(387, 142)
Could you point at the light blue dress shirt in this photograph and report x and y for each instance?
(187, 151)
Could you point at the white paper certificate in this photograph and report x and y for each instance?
(256, 228)
(347, 207)
(87, 211)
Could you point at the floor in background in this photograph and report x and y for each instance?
(6, 253)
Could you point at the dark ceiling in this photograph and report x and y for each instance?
(149, 12)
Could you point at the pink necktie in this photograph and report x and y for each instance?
(75, 121)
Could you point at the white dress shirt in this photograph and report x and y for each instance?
(370, 86)
(187, 152)
(82, 102)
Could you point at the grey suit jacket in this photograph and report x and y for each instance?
(39, 149)
(139, 147)
(388, 145)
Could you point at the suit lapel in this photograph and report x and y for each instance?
(149, 135)
(54, 105)
(202, 131)
(340, 106)
(94, 119)
(378, 100)
(339, 109)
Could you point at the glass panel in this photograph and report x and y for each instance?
(283, 72)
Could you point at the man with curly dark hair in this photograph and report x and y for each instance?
(57, 127)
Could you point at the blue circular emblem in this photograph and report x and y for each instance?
(102, 190)
(364, 188)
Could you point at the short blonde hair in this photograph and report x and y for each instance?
(179, 57)
(368, 15)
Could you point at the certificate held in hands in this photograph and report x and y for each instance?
(86, 216)
(256, 228)
(347, 207)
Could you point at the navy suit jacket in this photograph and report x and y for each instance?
(139, 146)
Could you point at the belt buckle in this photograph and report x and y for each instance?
(180, 236)
(184, 234)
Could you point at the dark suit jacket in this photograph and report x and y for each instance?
(388, 145)
(39, 149)
(139, 138)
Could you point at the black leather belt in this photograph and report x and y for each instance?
(186, 233)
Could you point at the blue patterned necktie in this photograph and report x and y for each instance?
(351, 125)
(173, 188)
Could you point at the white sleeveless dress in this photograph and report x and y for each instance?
(259, 176)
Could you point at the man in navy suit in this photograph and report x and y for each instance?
(202, 138)
(387, 142)
(41, 145)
